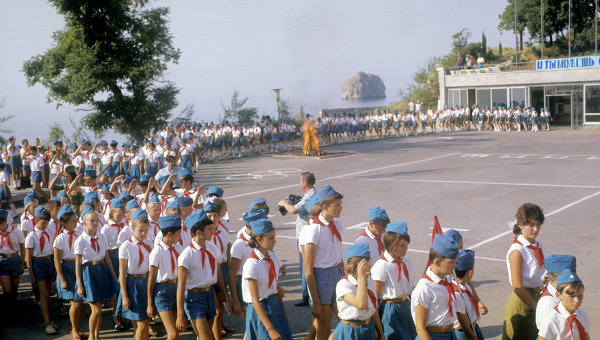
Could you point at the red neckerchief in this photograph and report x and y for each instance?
(32, 219)
(217, 237)
(71, 234)
(94, 243)
(188, 193)
(369, 292)
(472, 298)
(222, 225)
(380, 246)
(118, 225)
(537, 251)
(332, 228)
(43, 240)
(141, 245)
(155, 227)
(545, 292)
(449, 288)
(204, 252)
(243, 237)
(107, 206)
(272, 272)
(57, 229)
(401, 267)
(5, 237)
(570, 320)
(174, 256)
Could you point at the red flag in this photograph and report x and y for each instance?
(436, 230)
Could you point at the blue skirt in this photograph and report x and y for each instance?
(99, 283)
(460, 335)
(345, 332)
(255, 330)
(125, 167)
(68, 269)
(238, 290)
(108, 172)
(114, 260)
(10, 266)
(440, 336)
(185, 162)
(5, 194)
(134, 171)
(137, 290)
(152, 169)
(43, 269)
(397, 321)
(116, 169)
(200, 305)
(165, 296)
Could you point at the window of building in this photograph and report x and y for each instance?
(499, 97)
(592, 104)
(518, 97)
(483, 97)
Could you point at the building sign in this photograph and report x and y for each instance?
(567, 63)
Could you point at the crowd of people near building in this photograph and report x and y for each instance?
(160, 247)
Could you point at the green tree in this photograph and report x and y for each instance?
(507, 18)
(236, 110)
(110, 58)
(460, 40)
(57, 132)
(3, 120)
(185, 116)
(424, 85)
(483, 45)
(284, 109)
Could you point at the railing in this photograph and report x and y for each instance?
(490, 68)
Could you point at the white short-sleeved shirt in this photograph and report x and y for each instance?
(386, 271)
(257, 268)
(555, 327)
(241, 250)
(368, 238)
(130, 251)
(68, 247)
(200, 273)
(329, 248)
(545, 304)
(153, 230)
(16, 237)
(83, 247)
(32, 241)
(533, 274)
(27, 223)
(346, 285)
(53, 227)
(36, 162)
(434, 297)
(161, 257)
(468, 307)
(111, 231)
(221, 241)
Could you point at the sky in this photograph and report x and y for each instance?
(308, 48)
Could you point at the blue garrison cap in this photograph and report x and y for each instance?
(357, 250)
(325, 191)
(86, 210)
(310, 203)
(65, 209)
(466, 260)
(215, 191)
(3, 213)
(28, 199)
(145, 178)
(259, 200)
(397, 227)
(127, 180)
(445, 245)
(378, 214)
(124, 194)
(102, 142)
(254, 215)
(171, 221)
(89, 173)
(162, 180)
(567, 276)
(41, 211)
(116, 203)
(73, 145)
(456, 236)
(154, 199)
(87, 200)
(131, 204)
(56, 199)
(173, 204)
(185, 172)
(261, 226)
(210, 206)
(105, 187)
(91, 195)
(139, 214)
(560, 263)
(185, 201)
(195, 217)
(113, 143)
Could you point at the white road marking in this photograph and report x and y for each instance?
(411, 250)
(289, 223)
(546, 215)
(446, 229)
(358, 226)
(488, 183)
(345, 175)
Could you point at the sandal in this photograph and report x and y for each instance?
(50, 330)
(84, 335)
(119, 326)
(228, 329)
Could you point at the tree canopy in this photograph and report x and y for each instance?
(110, 61)
(236, 110)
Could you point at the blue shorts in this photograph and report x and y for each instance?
(185, 162)
(238, 289)
(43, 269)
(134, 171)
(10, 266)
(4, 194)
(327, 279)
(460, 335)
(200, 305)
(36, 177)
(440, 336)
(165, 296)
(15, 162)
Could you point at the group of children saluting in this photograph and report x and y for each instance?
(176, 261)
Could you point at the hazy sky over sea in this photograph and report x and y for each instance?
(308, 48)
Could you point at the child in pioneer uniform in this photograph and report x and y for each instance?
(555, 264)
